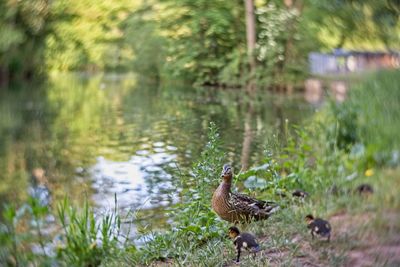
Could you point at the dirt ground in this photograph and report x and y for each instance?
(354, 242)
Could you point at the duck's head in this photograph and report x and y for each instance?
(309, 218)
(227, 173)
(233, 232)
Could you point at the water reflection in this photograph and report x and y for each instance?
(140, 182)
(39, 189)
(247, 137)
(105, 135)
(315, 90)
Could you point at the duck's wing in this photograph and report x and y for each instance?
(252, 201)
(246, 204)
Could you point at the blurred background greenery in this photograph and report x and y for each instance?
(198, 41)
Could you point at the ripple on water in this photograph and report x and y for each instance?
(142, 152)
(158, 144)
(171, 148)
(140, 182)
(159, 149)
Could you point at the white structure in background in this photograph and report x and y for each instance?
(341, 61)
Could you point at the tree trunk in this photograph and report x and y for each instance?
(251, 41)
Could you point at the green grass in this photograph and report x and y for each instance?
(83, 239)
(315, 158)
(87, 241)
(371, 118)
(379, 114)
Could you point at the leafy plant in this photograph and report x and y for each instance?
(343, 131)
(88, 241)
(20, 231)
(10, 240)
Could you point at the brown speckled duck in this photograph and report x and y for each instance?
(235, 207)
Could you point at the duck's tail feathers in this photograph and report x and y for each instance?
(273, 210)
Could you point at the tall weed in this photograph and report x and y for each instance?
(86, 240)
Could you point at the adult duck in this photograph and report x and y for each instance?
(235, 207)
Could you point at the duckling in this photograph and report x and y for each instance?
(300, 193)
(319, 226)
(243, 240)
(364, 189)
(235, 207)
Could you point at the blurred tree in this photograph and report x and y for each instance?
(202, 36)
(282, 45)
(357, 24)
(142, 37)
(24, 26)
(91, 39)
(201, 41)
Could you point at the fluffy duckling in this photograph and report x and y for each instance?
(365, 189)
(300, 193)
(243, 240)
(235, 207)
(318, 226)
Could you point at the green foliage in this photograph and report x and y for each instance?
(88, 241)
(88, 38)
(85, 240)
(302, 158)
(20, 230)
(203, 34)
(142, 36)
(286, 167)
(235, 72)
(278, 46)
(24, 26)
(199, 41)
(365, 123)
(355, 24)
(8, 236)
(378, 117)
(342, 131)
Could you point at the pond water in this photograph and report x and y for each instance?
(100, 136)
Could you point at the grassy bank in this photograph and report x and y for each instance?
(345, 145)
